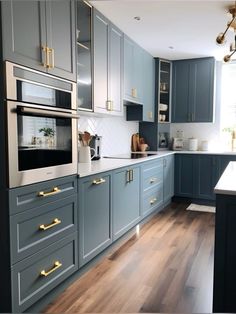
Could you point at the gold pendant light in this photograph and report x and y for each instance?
(220, 39)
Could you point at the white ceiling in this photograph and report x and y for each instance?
(189, 26)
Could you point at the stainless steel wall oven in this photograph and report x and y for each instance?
(42, 126)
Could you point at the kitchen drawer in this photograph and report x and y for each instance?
(151, 200)
(27, 197)
(33, 277)
(56, 219)
(152, 176)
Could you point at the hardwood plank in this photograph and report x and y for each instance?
(167, 267)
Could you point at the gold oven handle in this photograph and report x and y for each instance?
(55, 222)
(45, 273)
(54, 191)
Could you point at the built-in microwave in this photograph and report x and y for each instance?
(41, 126)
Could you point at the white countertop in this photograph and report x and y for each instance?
(107, 164)
(207, 152)
(227, 182)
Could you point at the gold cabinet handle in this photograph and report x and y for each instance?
(52, 53)
(109, 105)
(134, 92)
(131, 175)
(127, 176)
(99, 181)
(152, 180)
(56, 265)
(55, 222)
(150, 116)
(54, 191)
(45, 59)
(152, 201)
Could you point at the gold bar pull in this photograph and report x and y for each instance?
(152, 180)
(45, 58)
(51, 52)
(134, 92)
(153, 201)
(55, 222)
(99, 181)
(109, 105)
(54, 191)
(56, 265)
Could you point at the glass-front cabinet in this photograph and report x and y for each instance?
(164, 95)
(84, 56)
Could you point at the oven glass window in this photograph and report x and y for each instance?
(37, 94)
(43, 141)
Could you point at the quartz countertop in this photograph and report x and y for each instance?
(206, 152)
(107, 164)
(227, 182)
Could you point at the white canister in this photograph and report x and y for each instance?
(204, 145)
(192, 143)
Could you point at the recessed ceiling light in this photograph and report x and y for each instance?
(171, 47)
(137, 18)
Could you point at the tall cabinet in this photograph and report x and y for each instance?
(107, 66)
(40, 35)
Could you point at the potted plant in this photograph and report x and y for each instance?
(48, 134)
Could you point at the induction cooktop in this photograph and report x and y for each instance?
(131, 155)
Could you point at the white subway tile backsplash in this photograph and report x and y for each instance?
(116, 132)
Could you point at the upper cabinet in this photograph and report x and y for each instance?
(40, 35)
(193, 90)
(107, 66)
(164, 91)
(84, 56)
(133, 63)
(139, 81)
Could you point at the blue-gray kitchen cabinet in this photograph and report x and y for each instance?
(29, 27)
(148, 87)
(168, 181)
(125, 200)
(94, 196)
(107, 66)
(184, 175)
(206, 168)
(151, 186)
(133, 71)
(193, 90)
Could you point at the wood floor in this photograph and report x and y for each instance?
(168, 267)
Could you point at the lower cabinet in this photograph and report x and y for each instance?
(196, 175)
(168, 180)
(43, 238)
(94, 216)
(37, 275)
(126, 200)
(151, 186)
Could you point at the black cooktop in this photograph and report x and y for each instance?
(131, 155)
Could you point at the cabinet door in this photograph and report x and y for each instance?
(202, 89)
(180, 92)
(115, 70)
(206, 169)
(24, 32)
(148, 88)
(94, 216)
(100, 33)
(184, 175)
(128, 68)
(61, 37)
(168, 177)
(138, 73)
(126, 200)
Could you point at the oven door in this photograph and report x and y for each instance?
(42, 143)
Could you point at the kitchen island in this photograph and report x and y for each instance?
(224, 296)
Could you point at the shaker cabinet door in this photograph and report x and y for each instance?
(24, 32)
(60, 15)
(100, 65)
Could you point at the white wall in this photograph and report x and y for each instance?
(116, 132)
(204, 131)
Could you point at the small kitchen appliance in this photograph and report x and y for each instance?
(178, 143)
(96, 145)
